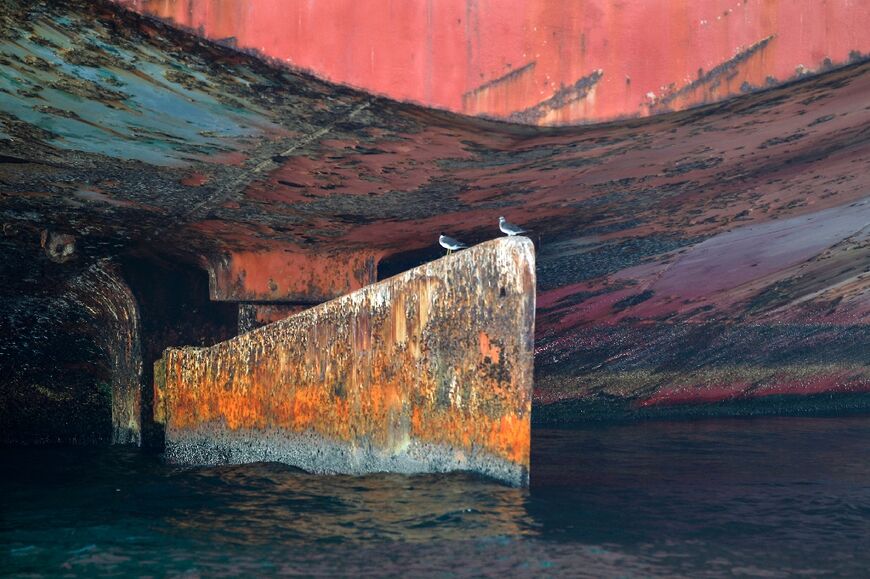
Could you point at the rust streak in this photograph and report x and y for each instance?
(506, 78)
(562, 98)
(717, 72)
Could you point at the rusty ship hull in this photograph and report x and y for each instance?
(703, 261)
(545, 62)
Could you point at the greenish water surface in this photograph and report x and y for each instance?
(766, 497)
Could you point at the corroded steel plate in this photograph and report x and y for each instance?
(428, 371)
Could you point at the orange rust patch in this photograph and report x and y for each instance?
(281, 275)
(488, 349)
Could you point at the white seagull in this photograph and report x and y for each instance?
(450, 244)
(509, 228)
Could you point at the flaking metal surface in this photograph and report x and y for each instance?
(687, 261)
(430, 370)
(541, 61)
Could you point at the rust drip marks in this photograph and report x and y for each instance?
(504, 79)
(714, 75)
(428, 371)
(563, 97)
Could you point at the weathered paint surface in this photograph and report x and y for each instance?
(427, 371)
(540, 61)
(255, 315)
(687, 261)
(289, 276)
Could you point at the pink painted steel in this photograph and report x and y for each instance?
(540, 61)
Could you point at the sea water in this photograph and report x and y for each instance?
(767, 497)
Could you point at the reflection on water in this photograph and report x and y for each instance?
(281, 505)
(763, 497)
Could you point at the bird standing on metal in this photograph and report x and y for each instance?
(450, 244)
(509, 228)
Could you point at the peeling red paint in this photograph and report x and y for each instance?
(660, 240)
(500, 58)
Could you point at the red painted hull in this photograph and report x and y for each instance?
(540, 61)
